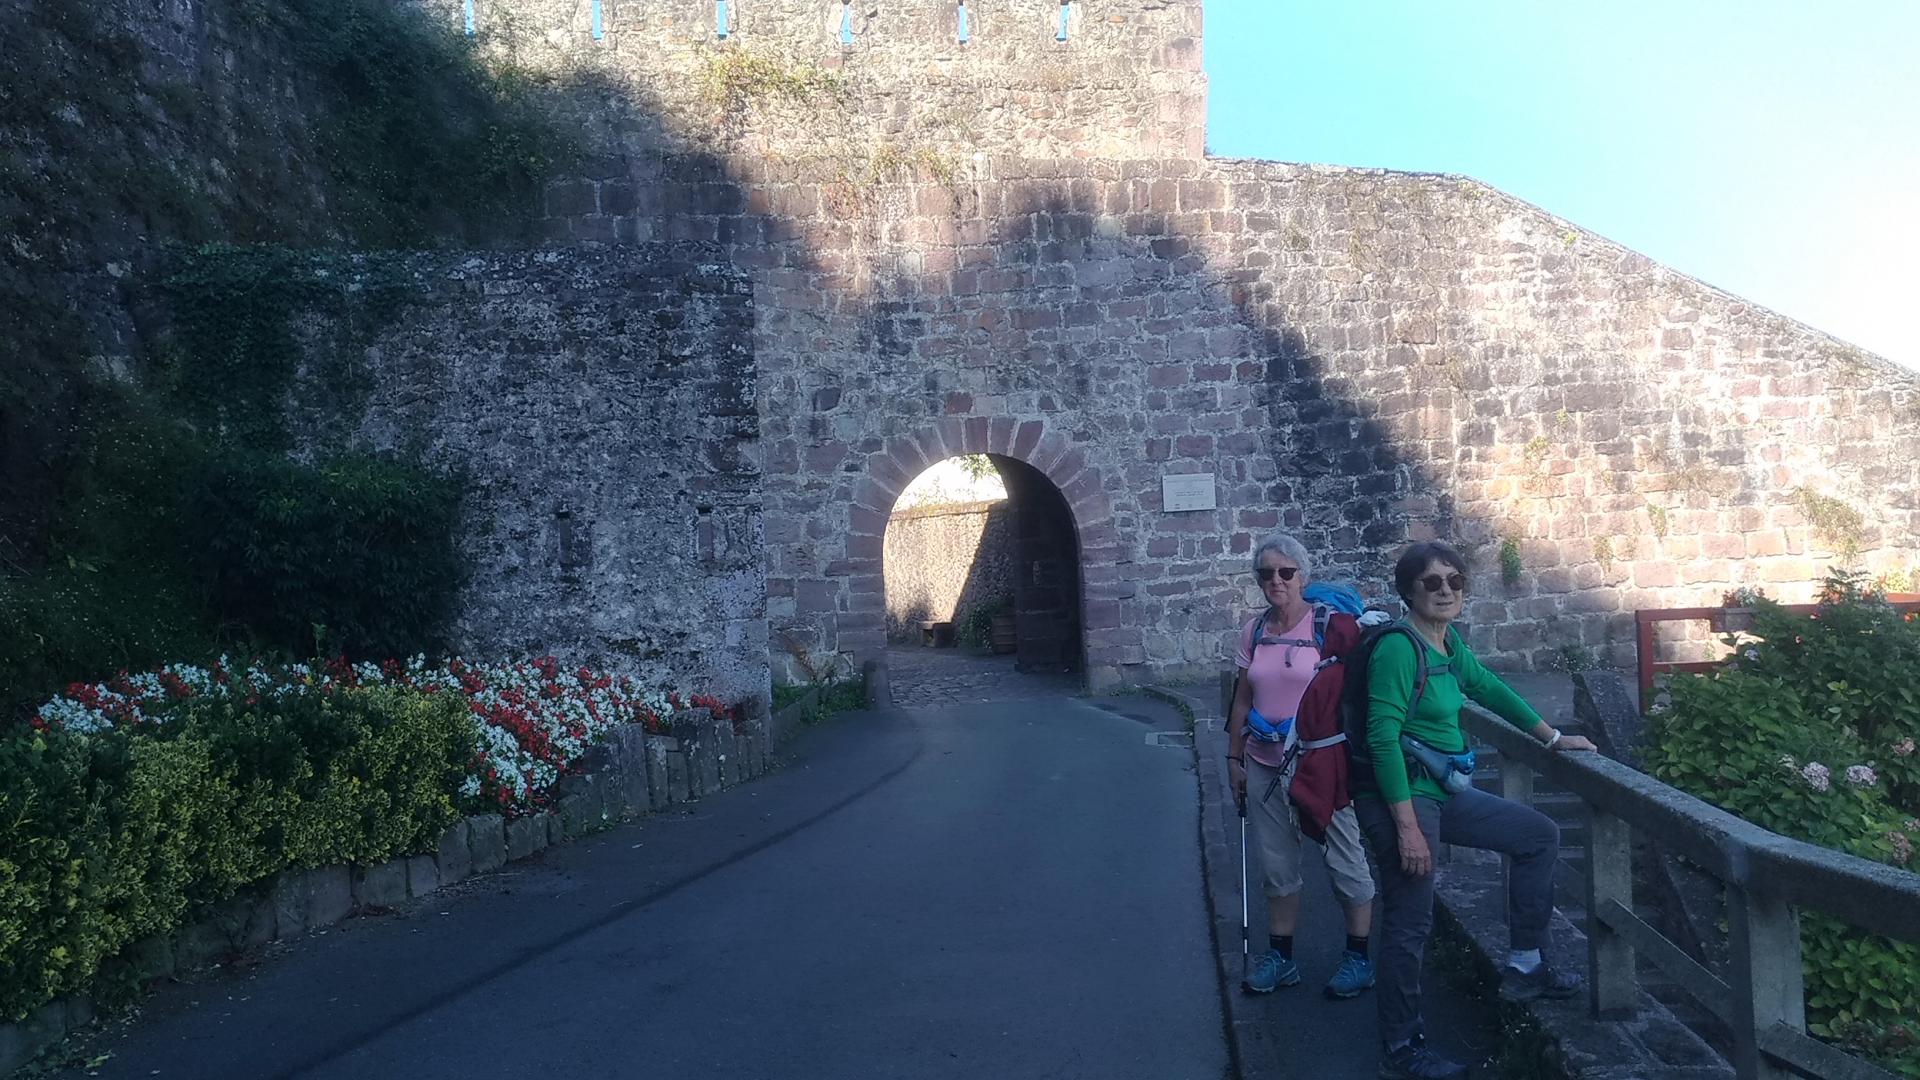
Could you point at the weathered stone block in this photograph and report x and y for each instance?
(241, 923)
(526, 836)
(152, 957)
(659, 782)
(330, 895)
(289, 898)
(453, 859)
(20, 1043)
(707, 759)
(383, 885)
(729, 754)
(487, 835)
(582, 806)
(423, 876)
(556, 828)
(677, 777)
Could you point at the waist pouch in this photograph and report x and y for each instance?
(1454, 772)
(1259, 727)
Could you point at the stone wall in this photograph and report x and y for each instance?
(1363, 357)
(601, 404)
(1127, 82)
(944, 561)
(1015, 247)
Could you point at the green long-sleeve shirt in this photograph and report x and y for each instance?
(1390, 675)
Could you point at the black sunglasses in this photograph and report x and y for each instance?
(1456, 582)
(1265, 573)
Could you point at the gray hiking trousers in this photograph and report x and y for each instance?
(1473, 819)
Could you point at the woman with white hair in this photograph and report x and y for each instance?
(1278, 656)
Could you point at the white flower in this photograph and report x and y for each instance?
(1861, 776)
(1752, 654)
(1818, 777)
(1903, 748)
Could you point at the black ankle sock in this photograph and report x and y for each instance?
(1283, 944)
(1357, 945)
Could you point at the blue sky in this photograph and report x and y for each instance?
(1768, 147)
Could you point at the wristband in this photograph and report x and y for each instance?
(1556, 738)
(1237, 757)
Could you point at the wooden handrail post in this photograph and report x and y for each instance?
(1763, 933)
(1613, 988)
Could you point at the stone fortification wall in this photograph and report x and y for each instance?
(943, 561)
(1127, 81)
(1363, 357)
(602, 406)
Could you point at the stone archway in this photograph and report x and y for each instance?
(1050, 455)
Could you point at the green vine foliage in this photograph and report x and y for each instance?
(1510, 565)
(181, 528)
(1810, 732)
(423, 136)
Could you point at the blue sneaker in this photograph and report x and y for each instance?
(1354, 976)
(1271, 970)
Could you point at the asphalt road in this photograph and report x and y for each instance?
(1006, 889)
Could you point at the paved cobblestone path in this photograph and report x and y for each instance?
(953, 676)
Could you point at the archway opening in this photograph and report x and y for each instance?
(981, 571)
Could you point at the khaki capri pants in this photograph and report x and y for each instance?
(1274, 822)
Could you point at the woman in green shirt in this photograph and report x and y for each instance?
(1406, 813)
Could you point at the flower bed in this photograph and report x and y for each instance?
(535, 719)
(137, 803)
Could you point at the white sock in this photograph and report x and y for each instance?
(1523, 960)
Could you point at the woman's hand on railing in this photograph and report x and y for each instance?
(1575, 742)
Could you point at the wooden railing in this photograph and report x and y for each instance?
(1768, 879)
(1722, 619)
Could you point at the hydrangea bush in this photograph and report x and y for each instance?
(1809, 731)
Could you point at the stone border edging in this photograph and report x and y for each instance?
(631, 773)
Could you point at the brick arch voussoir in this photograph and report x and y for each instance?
(902, 457)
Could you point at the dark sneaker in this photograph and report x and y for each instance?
(1354, 976)
(1542, 982)
(1270, 969)
(1415, 1062)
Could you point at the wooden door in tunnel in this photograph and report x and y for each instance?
(1046, 571)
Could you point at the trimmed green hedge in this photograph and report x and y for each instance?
(106, 839)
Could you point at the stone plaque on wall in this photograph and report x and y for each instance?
(1186, 491)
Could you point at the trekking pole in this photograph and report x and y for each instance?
(1245, 951)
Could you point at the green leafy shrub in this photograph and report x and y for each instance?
(361, 547)
(975, 629)
(119, 592)
(1809, 732)
(108, 838)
